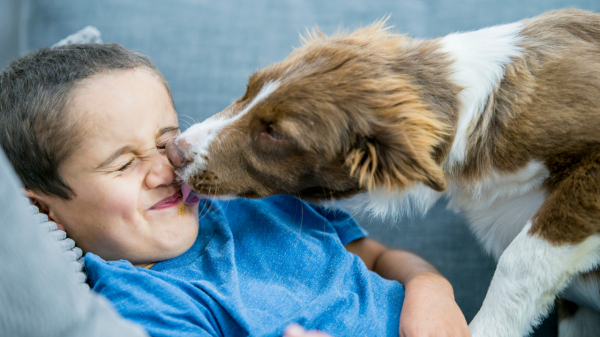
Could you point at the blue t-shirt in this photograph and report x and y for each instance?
(256, 266)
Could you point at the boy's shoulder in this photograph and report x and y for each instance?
(283, 204)
(266, 217)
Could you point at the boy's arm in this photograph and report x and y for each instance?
(429, 308)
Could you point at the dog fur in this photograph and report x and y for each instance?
(503, 121)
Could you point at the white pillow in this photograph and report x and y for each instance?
(73, 254)
(89, 34)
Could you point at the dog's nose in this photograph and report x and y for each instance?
(175, 155)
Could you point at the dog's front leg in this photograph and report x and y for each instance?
(530, 273)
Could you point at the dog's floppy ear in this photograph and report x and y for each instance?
(399, 151)
(393, 164)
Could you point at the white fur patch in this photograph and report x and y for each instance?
(478, 66)
(478, 201)
(499, 205)
(500, 185)
(383, 204)
(202, 135)
(496, 225)
(530, 273)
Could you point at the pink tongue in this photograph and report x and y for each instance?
(190, 198)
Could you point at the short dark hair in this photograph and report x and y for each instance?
(35, 131)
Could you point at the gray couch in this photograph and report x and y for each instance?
(207, 49)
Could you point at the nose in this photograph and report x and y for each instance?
(160, 172)
(175, 154)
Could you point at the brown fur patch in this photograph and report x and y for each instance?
(571, 212)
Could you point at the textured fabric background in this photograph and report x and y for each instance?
(9, 30)
(207, 49)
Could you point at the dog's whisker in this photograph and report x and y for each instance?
(189, 120)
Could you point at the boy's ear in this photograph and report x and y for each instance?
(43, 204)
(37, 200)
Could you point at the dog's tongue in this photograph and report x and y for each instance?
(189, 197)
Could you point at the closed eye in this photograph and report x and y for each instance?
(126, 166)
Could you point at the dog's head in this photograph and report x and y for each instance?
(331, 120)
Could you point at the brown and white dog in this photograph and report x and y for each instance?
(503, 121)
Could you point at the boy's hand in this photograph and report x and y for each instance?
(295, 330)
(429, 309)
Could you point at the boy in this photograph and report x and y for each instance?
(85, 127)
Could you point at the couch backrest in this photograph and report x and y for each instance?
(9, 30)
(207, 49)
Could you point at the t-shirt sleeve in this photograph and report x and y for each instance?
(160, 307)
(346, 227)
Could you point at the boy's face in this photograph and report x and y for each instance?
(127, 204)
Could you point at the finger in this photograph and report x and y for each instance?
(294, 330)
(315, 333)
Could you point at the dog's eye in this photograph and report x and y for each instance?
(274, 133)
(271, 133)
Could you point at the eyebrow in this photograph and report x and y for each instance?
(129, 148)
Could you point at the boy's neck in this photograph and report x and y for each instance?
(145, 265)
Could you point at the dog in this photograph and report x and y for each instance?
(502, 121)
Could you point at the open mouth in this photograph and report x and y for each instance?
(171, 201)
(185, 194)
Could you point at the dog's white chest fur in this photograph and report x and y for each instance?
(499, 206)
